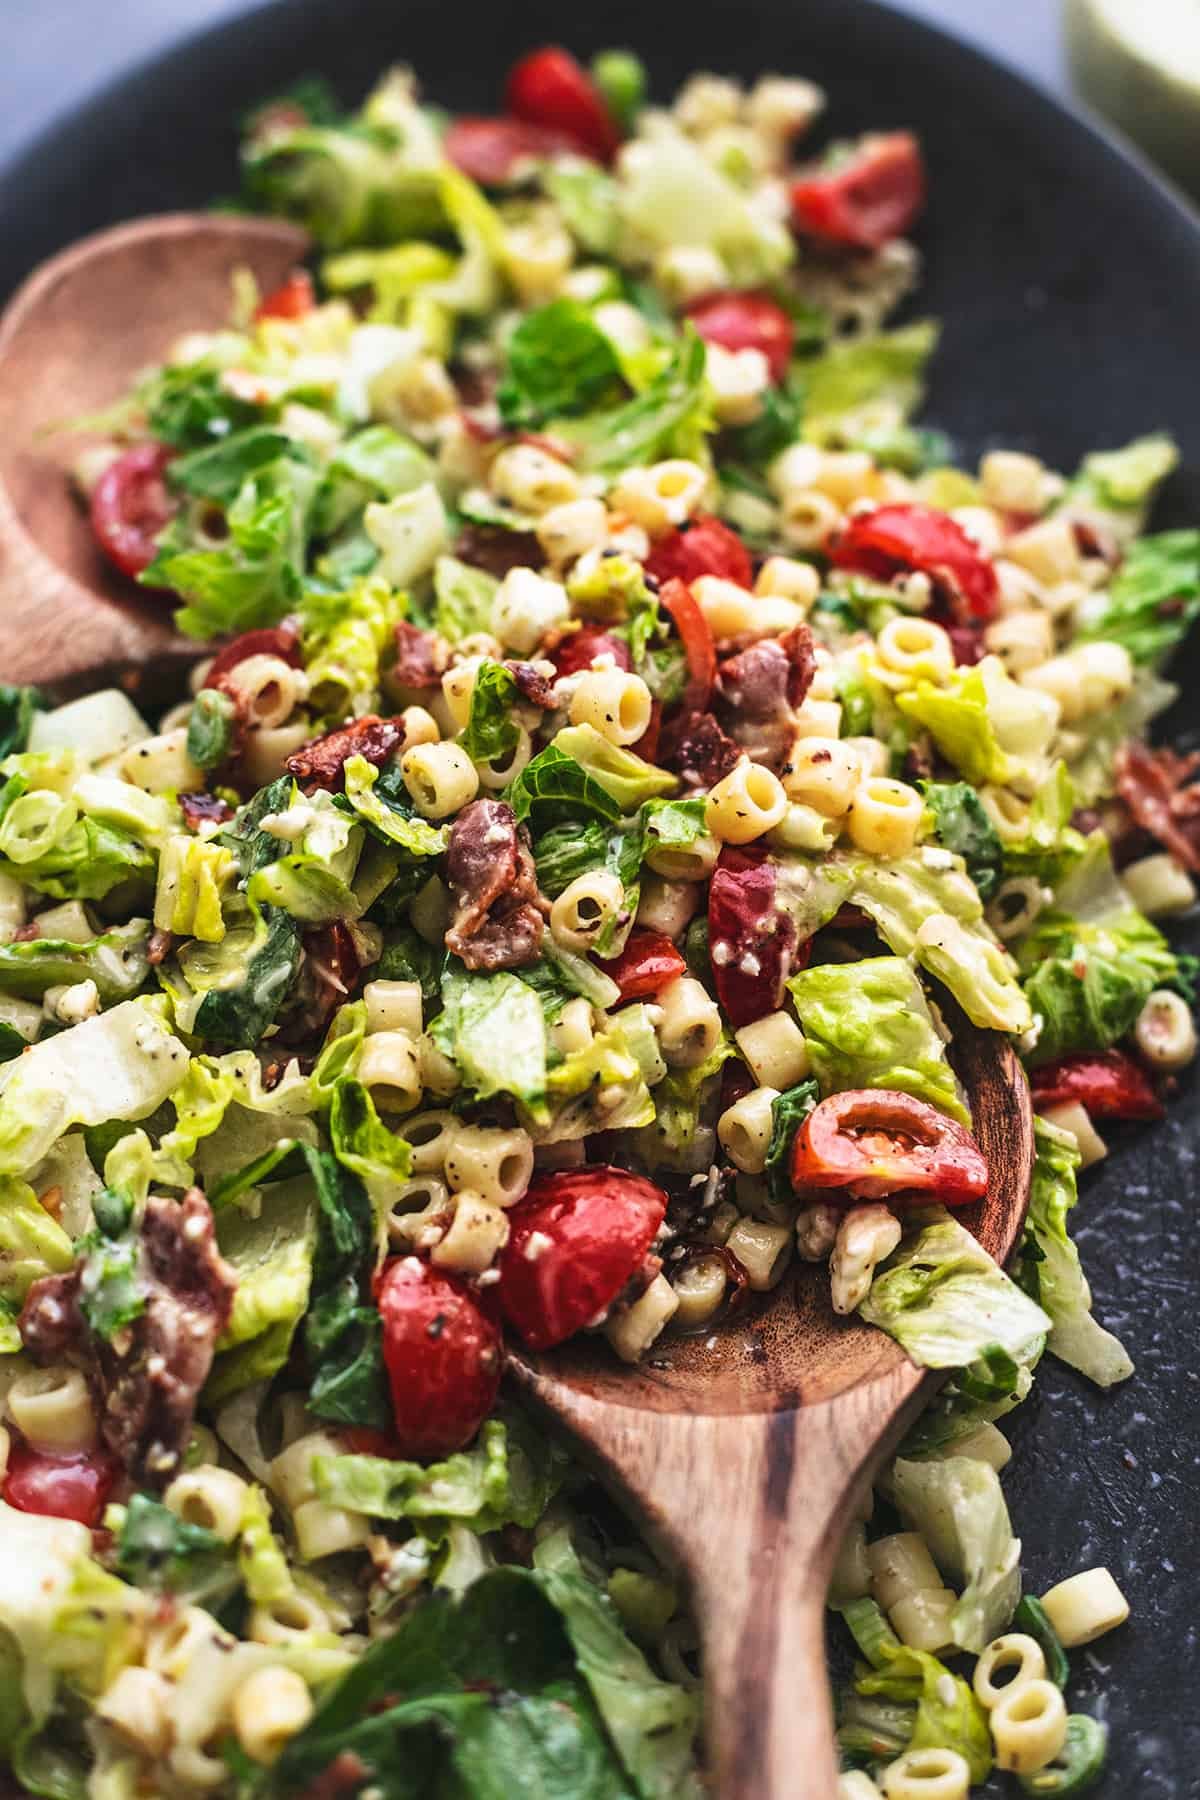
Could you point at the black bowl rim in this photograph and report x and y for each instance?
(1077, 127)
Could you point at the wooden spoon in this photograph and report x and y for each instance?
(72, 341)
(742, 1454)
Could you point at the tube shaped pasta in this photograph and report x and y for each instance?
(744, 804)
(52, 1409)
(1029, 1726)
(1018, 1655)
(137, 1706)
(270, 1706)
(885, 816)
(925, 1620)
(161, 764)
(267, 749)
(730, 610)
(901, 1565)
(824, 773)
(794, 580)
(916, 648)
(387, 1064)
(775, 1049)
(689, 1023)
(267, 688)
(477, 1233)
(745, 1129)
(495, 1164)
(809, 518)
(692, 862)
(1165, 1032)
(1085, 1606)
(429, 1135)
(614, 702)
(573, 1029)
(532, 479)
(581, 912)
(289, 1617)
(1073, 1117)
(420, 726)
(700, 1290)
(393, 1006)
(569, 530)
(663, 495)
(419, 1213)
(927, 1775)
(854, 1785)
(632, 1329)
(325, 1530)
(763, 1250)
(211, 1497)
(667, 906)
(496, 775)
(441, 778)
(458, 685)
(1159, 886)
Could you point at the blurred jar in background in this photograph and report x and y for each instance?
(1138, 63)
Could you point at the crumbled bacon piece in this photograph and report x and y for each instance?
(202, 809)
(693, 746)
(321, 764)
(496, 549)
(758, 690)
(148, 1375)
(421, 657)
(1153, 785)
(498, 914)
(532, 684)
(328, 976)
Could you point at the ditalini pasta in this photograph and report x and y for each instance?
(621, 749)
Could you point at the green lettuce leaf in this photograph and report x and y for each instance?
(384, 805)
(961, 823)
(948, 1715)
(1048, 1265)
(492, 1028)
(989, 727)
(255, 969)
(32, 1244)
(346, 636)
(491, 731)
(1091, 961)
(270, 1250)
(363, 1144)
(788, 1112)
(868, 1025)
(1127, 478)
(669, 417)
(217, 471)
(956, 1504)
(342, 1331)
(116, 961)
(17, 707)
(1153, 599)
(628, 779)
(588, 198)
(1052, 846)
(865, 375)
(559, 364)
(508, 1477)
(949, 1305)
(462, 599)
(675, 195)
(156, 1550)
(553, 785)
(376, 463)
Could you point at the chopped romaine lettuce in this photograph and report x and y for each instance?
(982, 721)
(270, 1250)
(559, 364)
(32, 1244)
(1127, 478)
(868, 1025)
(462, 598)
(961, 823)
(508, 1477)
(1153, 599)
(345, 638)
(1048, 1265)
(852, 383)
(492, 1028)
(956, 1504)
(948, 1715)
(669, 416)
(115, 960)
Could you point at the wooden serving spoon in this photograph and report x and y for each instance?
(742, 1454)
(72, 341)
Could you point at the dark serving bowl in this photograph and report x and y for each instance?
(1068, 280)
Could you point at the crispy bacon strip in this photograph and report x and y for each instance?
(498, 918)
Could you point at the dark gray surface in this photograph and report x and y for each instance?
(1069, 289)
(55, 52)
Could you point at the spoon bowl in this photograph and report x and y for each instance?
(72, 340)
(743, 1453)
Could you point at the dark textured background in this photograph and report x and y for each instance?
(1070, 292)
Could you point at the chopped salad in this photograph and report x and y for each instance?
(621, 750)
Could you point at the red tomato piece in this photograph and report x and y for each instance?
(130, 506)
(281, 640)
(696, 637)
(647, 745)
(751, 940)
(746, 322)
(59, 1487)
(576, 1239)
(292, 299)
(1108, 1083)
(705, 546)
(580, 650)
(648, 963)
(444, 1357)
(871, 1143)
(871, 196)
(549, 88)
(893, 540)
(491, 150)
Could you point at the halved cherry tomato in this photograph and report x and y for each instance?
(870, 1143)
(364, 1440)
(648, 963)
(576, 1239)
(697, 639)
(751, 940)
(282, 640)
(444, 1357)
(705, 546)
(864, 200)
(130, 506)
(490, 150)
(580, 650)
(292, 299)
(746, 322)
(893, 539)
(1109, 1084)
(59, 1487)
(549, 88)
